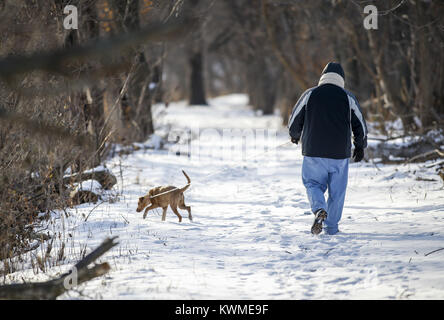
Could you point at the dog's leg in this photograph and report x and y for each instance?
(153, 206)
(177, 213)
(183, 206)
(164, 213)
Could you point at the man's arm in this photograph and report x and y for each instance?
(358, 124)
(296, 122)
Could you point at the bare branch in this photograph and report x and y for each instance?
(55, 62)
(44, 128)
(52, 289)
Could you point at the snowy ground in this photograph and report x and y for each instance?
(250, 238)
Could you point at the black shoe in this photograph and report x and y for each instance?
(320, 216)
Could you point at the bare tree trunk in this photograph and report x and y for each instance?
(197, 82)
(298, 77)
(136, 108)
(427, 93)
(260, 84)
(389, 83)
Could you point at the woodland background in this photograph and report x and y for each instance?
(67, 95)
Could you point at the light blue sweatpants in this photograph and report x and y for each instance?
(320, 174)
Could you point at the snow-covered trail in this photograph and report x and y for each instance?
(250, 238)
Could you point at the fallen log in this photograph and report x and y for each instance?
(82, 196)
(426, 156)
(50, 290)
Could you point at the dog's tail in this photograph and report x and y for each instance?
(188, 184)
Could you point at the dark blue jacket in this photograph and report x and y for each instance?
(325, 116)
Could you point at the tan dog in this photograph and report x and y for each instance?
(168, 195)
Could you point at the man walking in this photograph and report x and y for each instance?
(325, 116)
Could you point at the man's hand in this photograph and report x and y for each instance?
(358, 154)
(295, 141)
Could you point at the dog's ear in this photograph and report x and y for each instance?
(141, 199)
